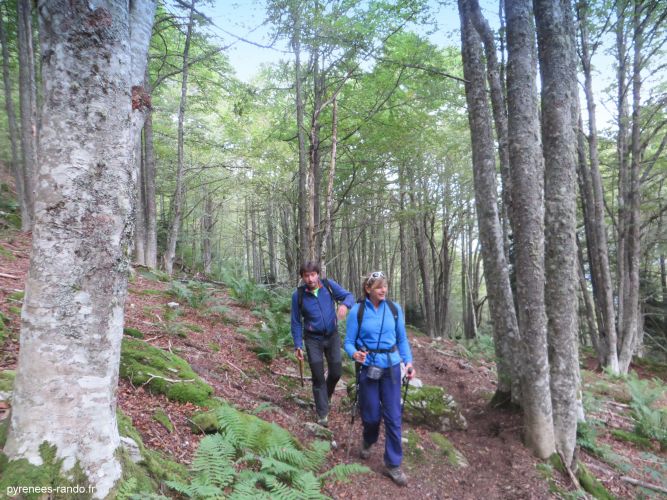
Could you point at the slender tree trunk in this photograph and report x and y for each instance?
(527, 173)
(150, 210)
(496, 271)
(13, 131)
(175, 226)
(207, 232)
(589, 305)
(599, 255)
(304, 196)
(271, 242)
(72, 318)
(629, 319)
(140, 203)
(28, 105)
(330, 186)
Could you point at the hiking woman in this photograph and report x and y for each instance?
(377, 340)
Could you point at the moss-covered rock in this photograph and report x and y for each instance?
(204, 423)
(454, 456)
(433, 407)
(591, 484)
(162, 372)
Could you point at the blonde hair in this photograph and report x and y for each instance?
(372, 278)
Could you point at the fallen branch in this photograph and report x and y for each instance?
(10, 276)
(289, 375)
(236, 368)
(173, 381)
(447, 354)
(573, 478)
(644, 484)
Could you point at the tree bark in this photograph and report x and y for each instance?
(72, 318)
(13, 131)
(557, 56)
(28, 106)
(596, 219)
(330, 186)
(150, 210)
(527, 173)
(174, 228)
(496, 271)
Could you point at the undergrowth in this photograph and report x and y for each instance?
(250, 458)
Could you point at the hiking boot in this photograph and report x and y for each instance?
(396, 475)
(365, 450)
(323, 421)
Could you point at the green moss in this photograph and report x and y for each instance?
(161, 416)
(15, 310)
(21, 473)
(413, 447)
(591, 484)
(4, 429)
(194, 328)
(7, 380)
(155, 275)
(17, 296)
(214, 347)
(447, 448)
(204, 423)
(133, 332)
(7, 254)
(149, 292)
(4, 332)
(631, 437)
(162, 372)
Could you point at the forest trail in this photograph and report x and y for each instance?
(498, 466)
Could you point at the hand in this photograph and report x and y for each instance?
(298, 352)
(359, 356)
(409, 371)
(342, 312)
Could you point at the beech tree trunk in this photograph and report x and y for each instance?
(72, 318)
(174, 228)
(526, 168)
(150, 211)
(557, 55)
(13, 131)
(496, 271)
(28, 105)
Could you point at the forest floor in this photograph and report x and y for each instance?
(499, 466)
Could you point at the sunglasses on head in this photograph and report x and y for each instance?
(376, 275)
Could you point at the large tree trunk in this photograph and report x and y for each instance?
(28, 105)
(496, 272)
(140, 203)
(557, 57)
(17, 171)
(72, 319)
(174, 228)
(527, 174)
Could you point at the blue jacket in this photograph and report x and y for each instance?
(378, 325)
(319, 313)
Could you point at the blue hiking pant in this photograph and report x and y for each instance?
(382, 399)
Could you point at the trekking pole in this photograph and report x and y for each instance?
(406, 383)
(355, 407)
(300, 361)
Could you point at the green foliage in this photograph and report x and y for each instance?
(21, 473)
(245, 291)
(250, 458)
(481, 348)
(155, 275)
(161, 416)
(162, 372)
(4, 332)
(7, 380)
(10, 212)
(591, 484)
(274, 336)
(133, 332)
(194, 293)
(16, 296)
(650, 422)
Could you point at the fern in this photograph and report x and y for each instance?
(127, 488)
(309, 486)
(649, 422)
(213, 460)
(317, 454)
(343, 472)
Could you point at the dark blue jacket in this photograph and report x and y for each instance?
(319, 313)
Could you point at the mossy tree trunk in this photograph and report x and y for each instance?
(72, 319)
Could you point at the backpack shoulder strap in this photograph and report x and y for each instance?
(360, 312)
(326, 283)
(299, 294)
(394, 310)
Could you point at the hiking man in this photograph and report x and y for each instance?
(315, 324)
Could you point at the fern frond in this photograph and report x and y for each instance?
(309, 486)
(278, 468)
(204, 489)
(281, 491)
(232, 426)
(317, 454)
(288, 455)
(127, 488)
(182, 488)
(343, 472)
(212, 461)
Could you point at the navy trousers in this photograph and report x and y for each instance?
(381, 399)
